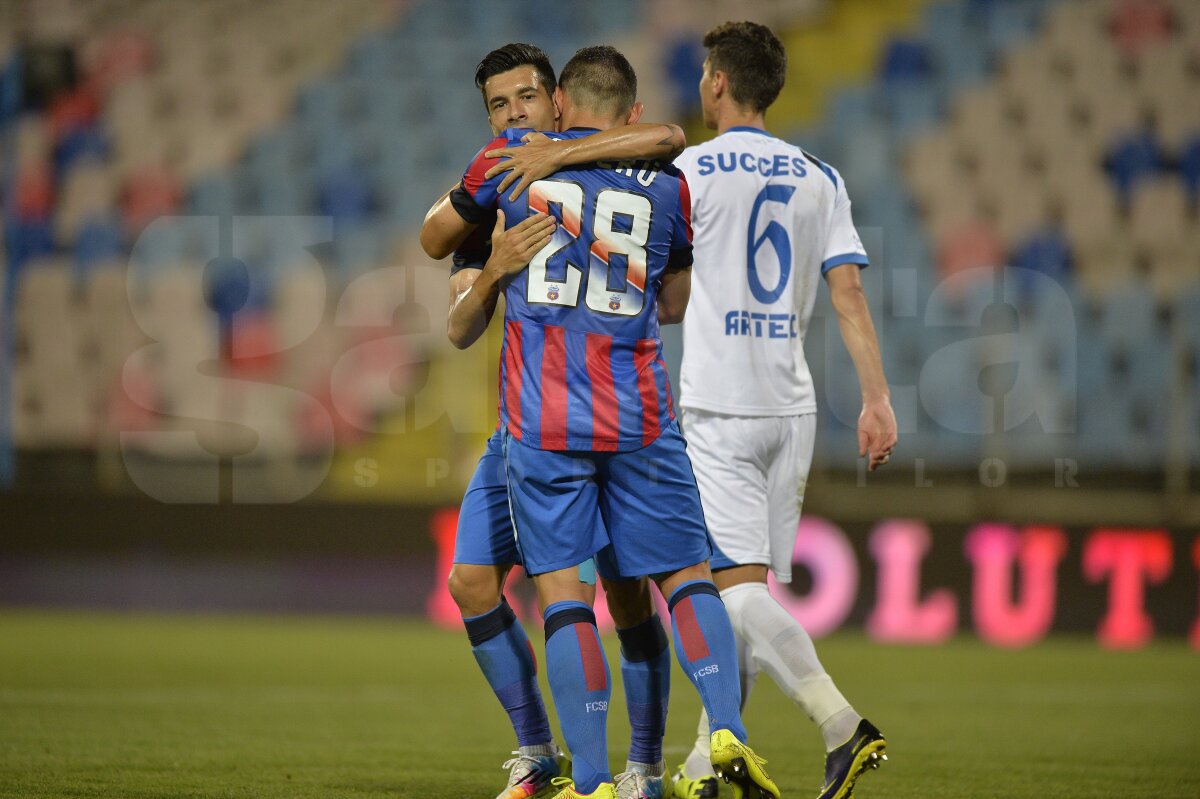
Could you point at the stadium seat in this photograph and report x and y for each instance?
(99, 240)
(26, 241)
(148, 194)
(1131, 159)
(1047, 252)
(1139, 25)
(1189, 167)
(983, 112)
(904, 60)
(79, 144)
(1112, 115)
(31, 196)
(911, 106)
(345, 195)
(87, 191)
(1159, 213)
(213, 195)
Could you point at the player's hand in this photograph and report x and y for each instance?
(877, 432)
(539, 158)
(512, 249)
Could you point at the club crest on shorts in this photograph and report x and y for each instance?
(552, 293)
(614, 303)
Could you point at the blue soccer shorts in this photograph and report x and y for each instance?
(485, 531)
(653, 522)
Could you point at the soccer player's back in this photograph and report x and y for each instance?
(582, 364)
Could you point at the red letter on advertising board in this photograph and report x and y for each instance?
(993, 548)
(439, 605)
(1132, 557)
(1196, 627)
(899, 614)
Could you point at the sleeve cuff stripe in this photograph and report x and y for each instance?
(848, 258)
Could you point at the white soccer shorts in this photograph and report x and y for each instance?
(751, 471)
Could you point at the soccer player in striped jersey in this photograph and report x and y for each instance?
(517, 84)
(769, 220)
(589, 420)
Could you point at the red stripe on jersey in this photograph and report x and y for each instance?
(605, 425)
(685, 204)
(473, 178)
(670, 399)
(514, 373)
(590, 657)
(643, 357)
(554, 388)
(694, 646)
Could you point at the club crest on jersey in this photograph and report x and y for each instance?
(552, 293)
(614, 303)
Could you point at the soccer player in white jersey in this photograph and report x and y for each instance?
(770, 221)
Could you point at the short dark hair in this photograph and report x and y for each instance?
(752, 58)
(511, 56)
(600, 78)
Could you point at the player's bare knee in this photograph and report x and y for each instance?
(473, 590)
(629, 603)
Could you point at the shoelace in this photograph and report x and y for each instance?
(517, 774)
(638, 780)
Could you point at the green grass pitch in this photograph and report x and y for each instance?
(259, 707)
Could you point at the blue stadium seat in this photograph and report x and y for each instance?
(278, 150)
(905, 59)
(1047, 252)
(852, 107)
(912, 106)
(99, 240)
(358, 248)
(1123, 419)
(946, 21)
(683, 61)
(25, 241)
(10, 89)
(1130, 316)
(1132, 159)
(1189, 166)
(214, 195)
(1011, 22)
(962, 61)
(345, 195)
(285, 193)
(78, 144)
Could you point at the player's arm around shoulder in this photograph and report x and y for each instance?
(542, 156)
(443, 229)
(460, 210)
(877, 423)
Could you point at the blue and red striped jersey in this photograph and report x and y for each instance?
(582, 365)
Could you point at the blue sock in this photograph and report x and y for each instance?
(503, 652)
(580, 683)
(707, 651)
(646, 669)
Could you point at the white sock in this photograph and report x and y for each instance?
(699, 760)
(783, 649)
(539, 750)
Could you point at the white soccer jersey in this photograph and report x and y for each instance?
(768, 220)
